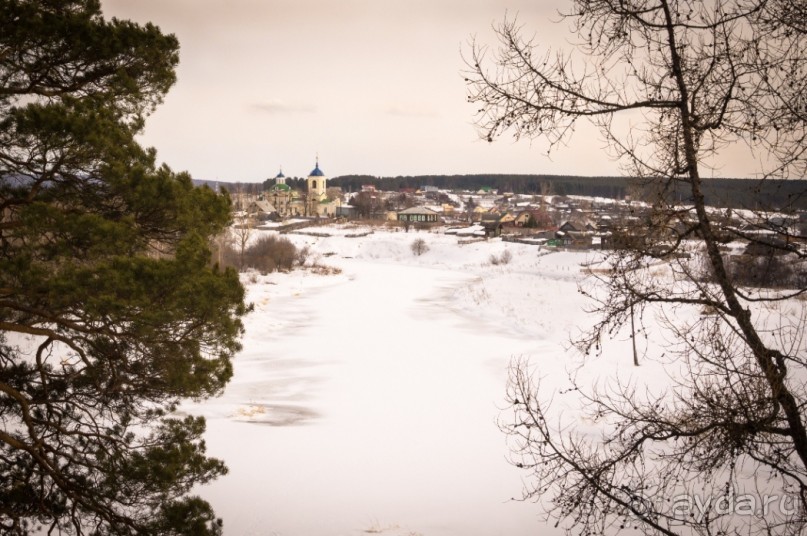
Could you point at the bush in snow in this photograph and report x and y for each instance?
(270, 253)
(504, 258)
(302, 255)
(324, 269)
(419, 247)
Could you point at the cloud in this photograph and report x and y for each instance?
(275, 106)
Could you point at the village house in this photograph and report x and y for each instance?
(261, 210)
(576, 233)
(507, 219)
(491, 222)
(418, 214)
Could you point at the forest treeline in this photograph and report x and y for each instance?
(735, 193)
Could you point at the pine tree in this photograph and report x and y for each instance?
(110, 312)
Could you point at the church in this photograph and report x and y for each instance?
(313, 203)
(281, 195)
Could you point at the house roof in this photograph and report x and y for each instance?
(263, 206)
(575, 226)
(418, 210)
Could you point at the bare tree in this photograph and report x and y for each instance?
(241, 232)
(419, 247)
(470, 205)
(705, 76)
(367, 204)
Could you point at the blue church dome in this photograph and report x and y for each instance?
(317, 172)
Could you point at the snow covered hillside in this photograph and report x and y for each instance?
(367, 401)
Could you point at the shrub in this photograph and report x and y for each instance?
(766, 271)
(773, 269)
(323, 269)
(504, 258)
(302, 255)
(270, 253)
(419, 247)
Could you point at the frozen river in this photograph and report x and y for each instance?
(366, 403)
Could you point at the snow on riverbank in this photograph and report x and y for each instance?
(366, 402)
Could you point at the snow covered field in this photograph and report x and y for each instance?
(366, 402)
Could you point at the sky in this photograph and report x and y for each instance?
(370, 87)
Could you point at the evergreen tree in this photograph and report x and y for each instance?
(110, 312)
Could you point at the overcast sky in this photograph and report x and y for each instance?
(372, 86)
